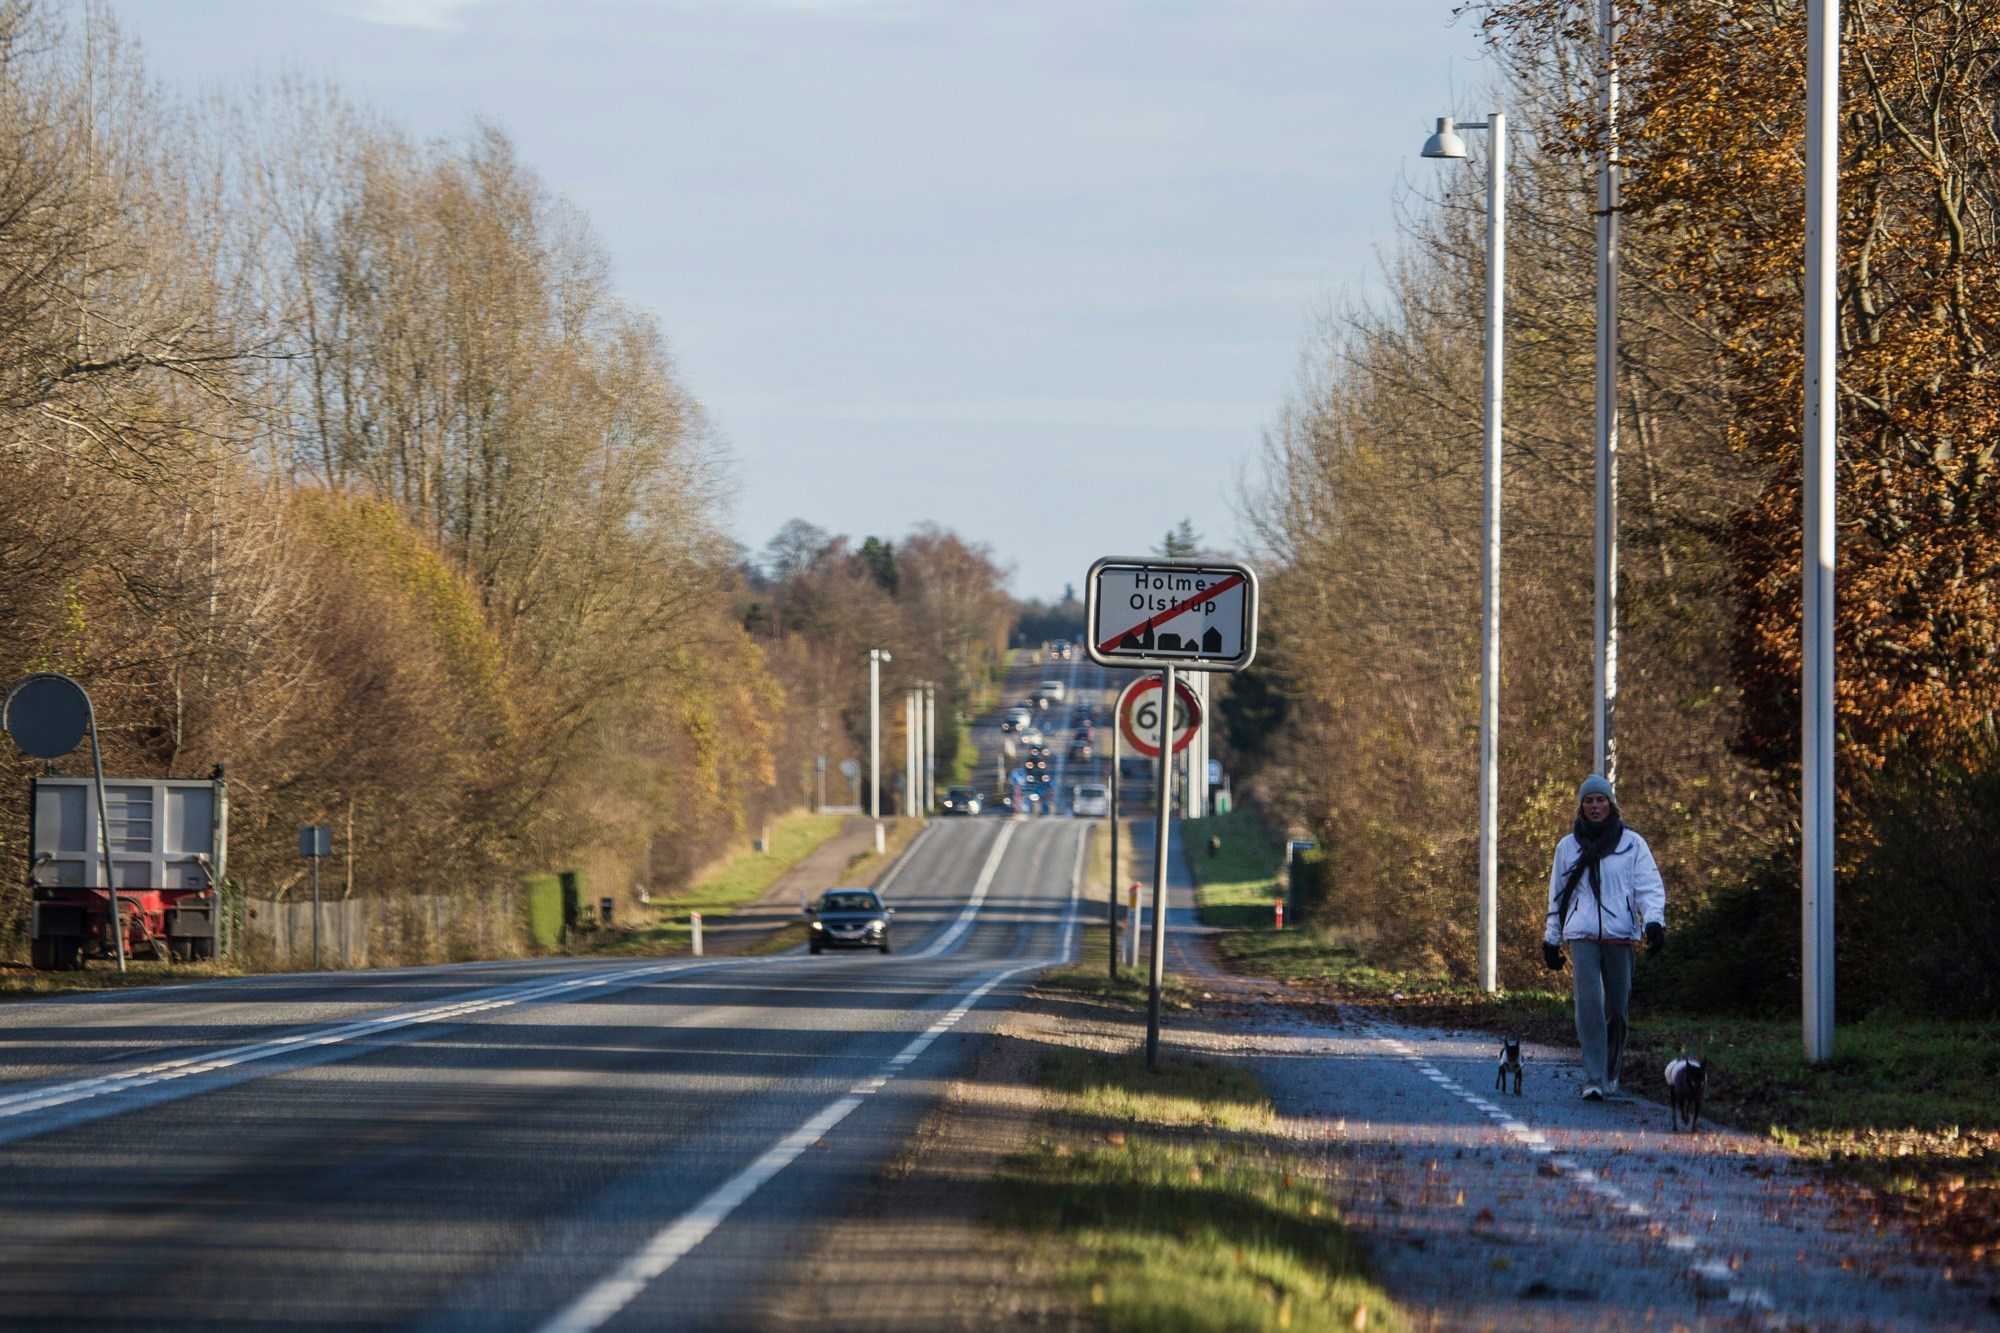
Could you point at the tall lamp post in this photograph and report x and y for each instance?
(1445, 143)
(1604, 618)
(1816, 629)
(876, 657)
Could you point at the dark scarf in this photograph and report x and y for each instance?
(1594, 842)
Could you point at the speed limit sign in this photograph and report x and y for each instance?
(1139, 715)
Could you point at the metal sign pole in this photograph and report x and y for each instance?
(104, 833)
(1111, 881)
(1160, 869)
(315, 866)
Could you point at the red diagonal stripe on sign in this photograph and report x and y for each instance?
(1172, 611)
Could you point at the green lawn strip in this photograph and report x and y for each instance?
(1089, 978)
(866, 868)
(1908, 1109)
(1169, 1201)
(965, 760)
(1237, 883)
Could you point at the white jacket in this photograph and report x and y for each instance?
(1633, 894)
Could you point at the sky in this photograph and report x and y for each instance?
(1038, 271)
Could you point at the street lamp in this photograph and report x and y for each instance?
(1816, 814)
(876, 657)
(1604, 612)
(1447, 144)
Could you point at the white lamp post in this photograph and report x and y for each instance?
(1816, 629)
(1604, 618)
(1445, 143)
(876, 657)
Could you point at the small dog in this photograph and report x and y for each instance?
(1510, 1063)
(1685, 1080)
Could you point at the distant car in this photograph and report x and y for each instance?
(1016, 719)
(1032, 736)
(1030, 803)
(1090, 800)
(963, 801)
(1052, 689)
(1080, 751)
(848, 919)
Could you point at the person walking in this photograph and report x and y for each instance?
(1605, 894)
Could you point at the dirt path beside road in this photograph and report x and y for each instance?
(1478, 1209)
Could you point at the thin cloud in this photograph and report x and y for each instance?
(424, 15)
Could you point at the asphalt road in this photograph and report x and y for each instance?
(545, 1144)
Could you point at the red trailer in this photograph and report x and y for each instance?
(169, 841)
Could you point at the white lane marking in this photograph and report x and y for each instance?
(671, 1243)
(1075, 888)
(979, 887)
(1739, 1293)
(909, 855)
(104, 1095)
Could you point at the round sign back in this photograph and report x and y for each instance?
(48, 714)
(1139, 716)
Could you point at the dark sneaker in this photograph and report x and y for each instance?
(1593, 1094)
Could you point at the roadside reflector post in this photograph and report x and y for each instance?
(1278, 908)
(1132, 935)
(694, 929)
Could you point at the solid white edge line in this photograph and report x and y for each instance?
(105, 1089)
(972, 906)
(672, 1242)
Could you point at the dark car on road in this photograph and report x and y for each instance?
(848, 919)
(963, 801)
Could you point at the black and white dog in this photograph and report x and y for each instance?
(1685, 1080)
(1510, 1063)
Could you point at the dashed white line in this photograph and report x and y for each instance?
(1710, 1270)
(979, 888)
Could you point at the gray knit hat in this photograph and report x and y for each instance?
(1595, 785)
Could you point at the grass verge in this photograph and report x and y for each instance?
(1169, 1200)
(868, 867)
(25, 983)
(662, 927)
(1237, 882)
(1907, 1111)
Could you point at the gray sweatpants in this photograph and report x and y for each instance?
(1601, 977)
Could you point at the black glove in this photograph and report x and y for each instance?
(1656, 936)
(1552, 957)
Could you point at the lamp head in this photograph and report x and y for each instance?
(1445, 142)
